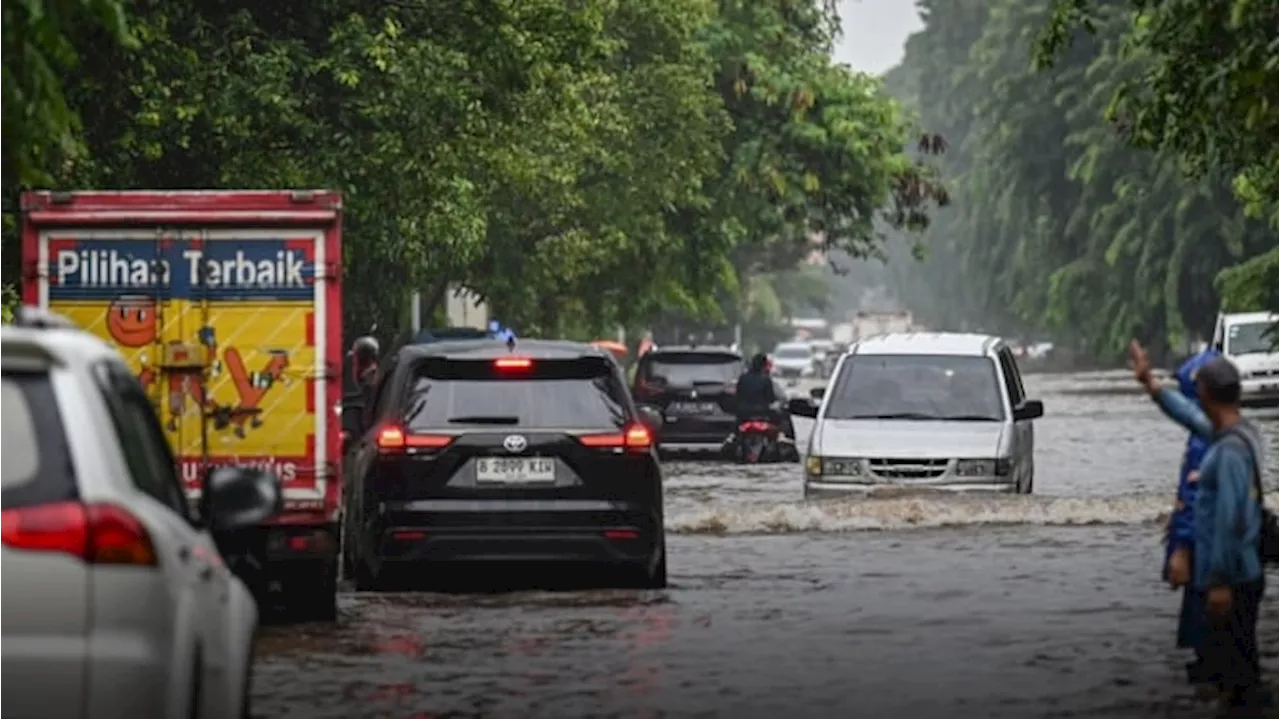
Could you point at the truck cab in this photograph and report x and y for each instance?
(1249, 339)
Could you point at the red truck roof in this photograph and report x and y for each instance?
(272, 207)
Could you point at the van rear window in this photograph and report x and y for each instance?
(37, 466)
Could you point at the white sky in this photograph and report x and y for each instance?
(874, 32)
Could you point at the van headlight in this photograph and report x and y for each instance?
(833, 466)
(982, 467)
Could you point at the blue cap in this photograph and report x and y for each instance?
(1187, 372)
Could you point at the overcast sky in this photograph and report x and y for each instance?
(874, 31)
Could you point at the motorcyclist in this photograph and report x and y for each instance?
(364, 367)
(759, 396)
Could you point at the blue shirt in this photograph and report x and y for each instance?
(1228, 518)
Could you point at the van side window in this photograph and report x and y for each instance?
(1009, 372)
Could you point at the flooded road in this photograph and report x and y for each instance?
(1018, 606)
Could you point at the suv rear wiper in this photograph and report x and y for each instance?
(485, 419)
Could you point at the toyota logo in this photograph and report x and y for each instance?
(515, 443)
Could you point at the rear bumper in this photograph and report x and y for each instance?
(696, 435)
(518, 531)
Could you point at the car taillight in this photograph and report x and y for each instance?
(754, 426)
(96, 533)
(393, 439)
(636, 438)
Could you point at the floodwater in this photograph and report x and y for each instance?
(917, 606)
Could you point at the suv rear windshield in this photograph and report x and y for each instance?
(941, 387)
(569, 394)
(689, 368)
(37, 462)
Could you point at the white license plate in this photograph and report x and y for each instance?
(688, 408)
(515, 470)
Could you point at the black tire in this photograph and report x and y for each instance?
(366, 580)
(658, 578)
(314, 598)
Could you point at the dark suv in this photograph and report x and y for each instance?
(693, 388)
(474, 451)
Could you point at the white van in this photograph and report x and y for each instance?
(1249, 339)
(924, 409)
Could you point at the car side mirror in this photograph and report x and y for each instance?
(817, 393)
(239, 497)
(650, 417)
(802, 407)
(353, 415)
(1029, 409)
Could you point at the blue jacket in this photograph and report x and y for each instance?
(1228, 517)
(1181, 521)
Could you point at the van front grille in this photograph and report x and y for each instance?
(908, 468)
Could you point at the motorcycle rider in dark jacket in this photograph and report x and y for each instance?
(758, 397)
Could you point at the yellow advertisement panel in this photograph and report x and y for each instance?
(231, 381)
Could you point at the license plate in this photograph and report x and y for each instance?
(693, 408)
(515, 470)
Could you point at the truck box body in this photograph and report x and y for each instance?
(228, 306)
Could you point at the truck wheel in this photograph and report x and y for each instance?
(313, 597)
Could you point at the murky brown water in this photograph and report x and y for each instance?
(1046, 605)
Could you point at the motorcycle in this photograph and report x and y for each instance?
(760, 440)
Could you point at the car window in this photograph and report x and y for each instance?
(576, 394)
(688, 368)
(922, 387)
(1012, 380)
(146, 451)
(37, 466)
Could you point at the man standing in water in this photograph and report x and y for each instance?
(1224, 562)
(1181, 530)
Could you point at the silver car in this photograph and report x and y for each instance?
(116, 600)
(922, 409)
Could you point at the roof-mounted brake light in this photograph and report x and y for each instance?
(512, 363)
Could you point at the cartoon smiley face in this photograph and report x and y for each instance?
(131, 320)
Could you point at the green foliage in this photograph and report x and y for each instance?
(580, 165)
(1062, 225)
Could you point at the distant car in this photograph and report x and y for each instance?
(117, 602)
(1249, 340)
(693, 388)
(476, 453)
(937, 410)
(793, 360)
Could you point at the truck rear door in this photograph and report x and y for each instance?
(233, 329)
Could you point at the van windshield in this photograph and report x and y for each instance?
(919, 387)
(1251, 338)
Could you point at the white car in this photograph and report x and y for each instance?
(793, 359)
(925, 409)
(116, 602)
(1249, 339)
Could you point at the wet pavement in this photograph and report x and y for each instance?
(916, 606)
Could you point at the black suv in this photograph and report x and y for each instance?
(693, 388)
(480, 451)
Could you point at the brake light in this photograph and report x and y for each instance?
(512, 363)
(96, 533)
(394, 439)
(755, 426)
(636, 437)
